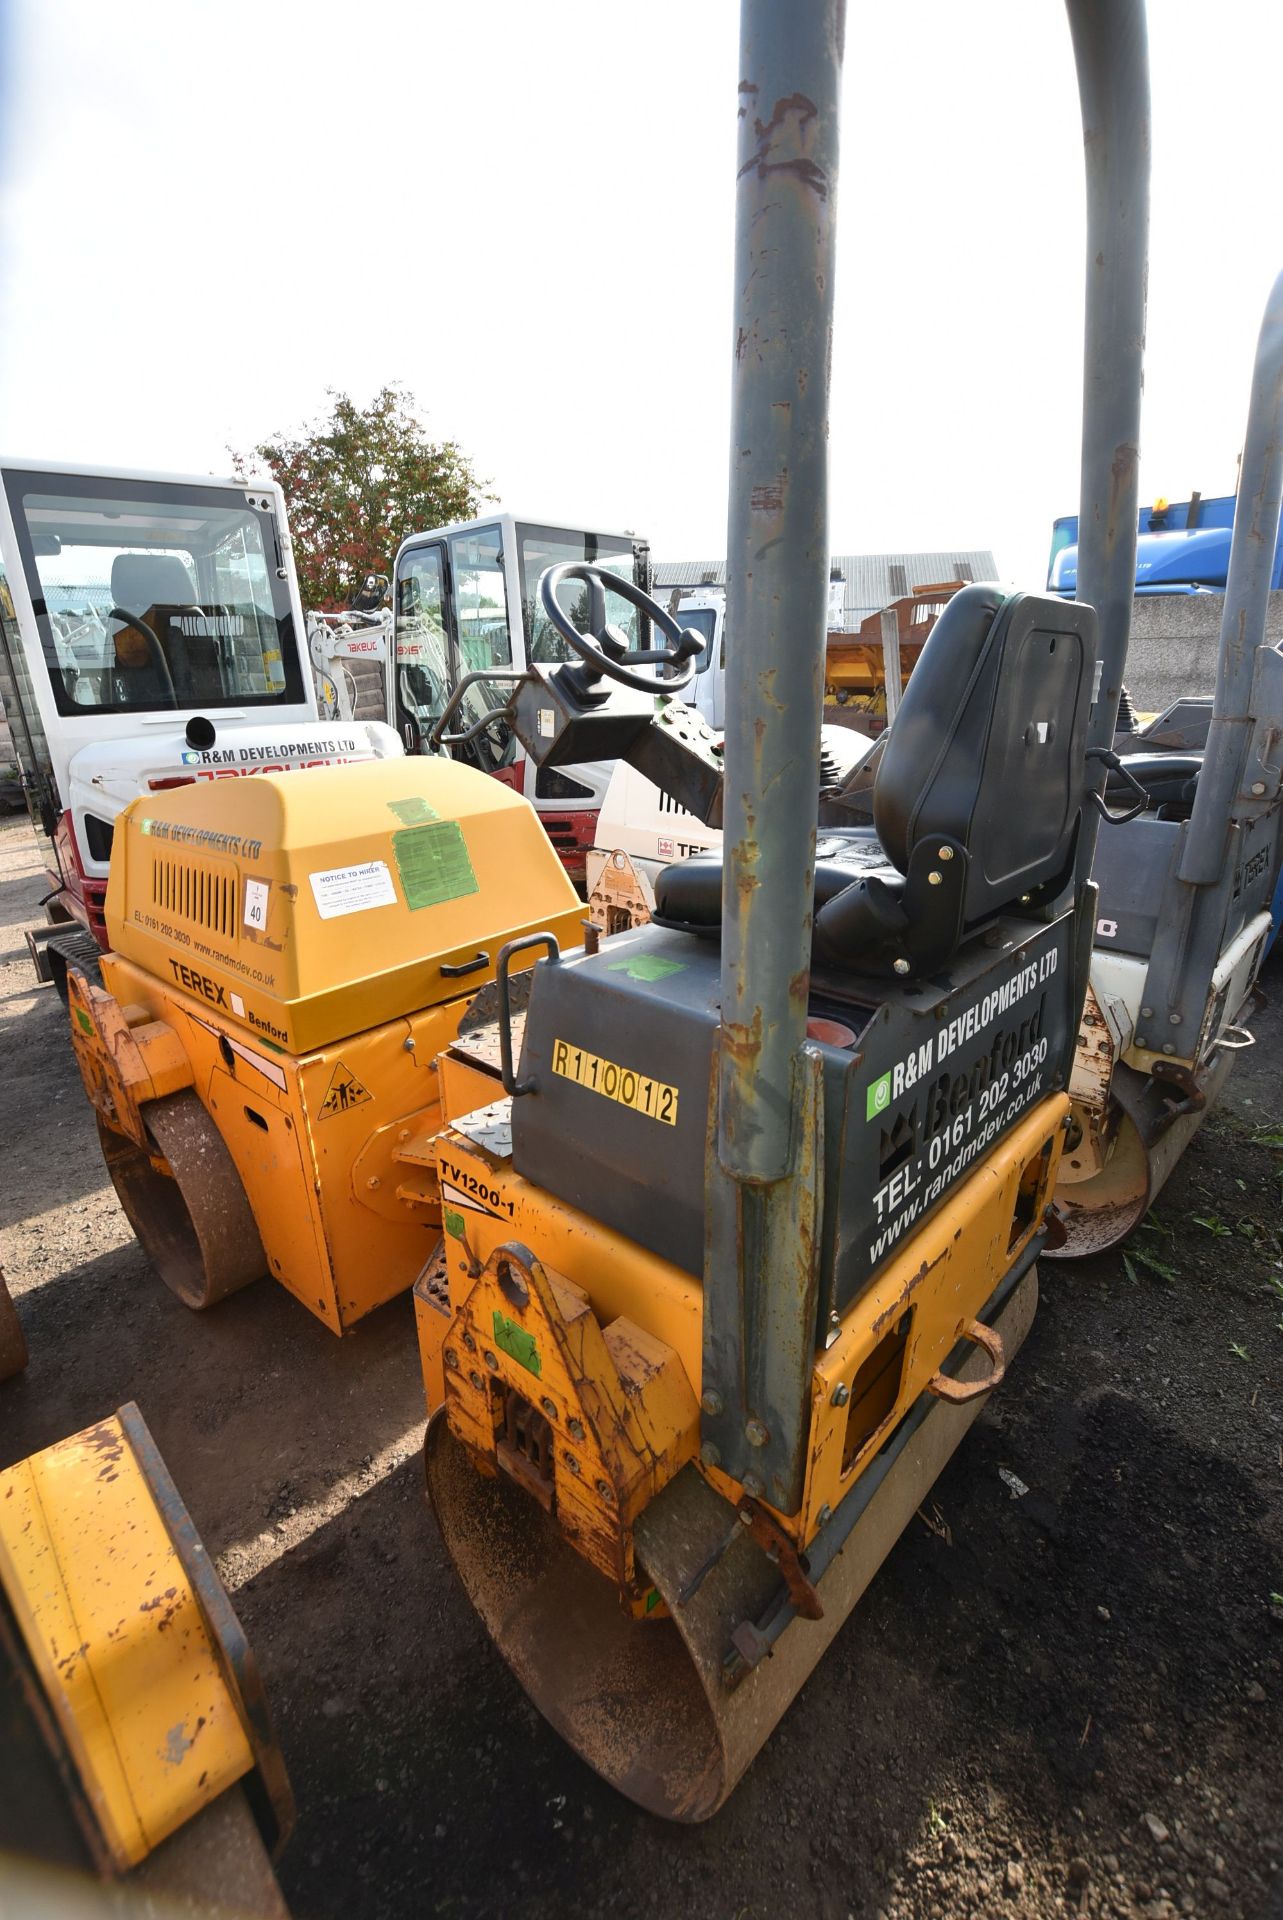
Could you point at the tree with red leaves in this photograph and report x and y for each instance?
(356, 484)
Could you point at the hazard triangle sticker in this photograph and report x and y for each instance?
(343, 1093)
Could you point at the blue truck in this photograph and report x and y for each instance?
(1183, 546)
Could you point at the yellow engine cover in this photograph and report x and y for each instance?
(308, 910)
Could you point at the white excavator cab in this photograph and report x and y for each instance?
(150, 636)
(466, 601)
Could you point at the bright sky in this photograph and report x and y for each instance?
(214, 209)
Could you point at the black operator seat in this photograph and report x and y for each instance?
(976, 802)
(157, 589)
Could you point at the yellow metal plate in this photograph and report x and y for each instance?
(655, 1098)
(117, 1639)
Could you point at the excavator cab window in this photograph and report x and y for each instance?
(483, 638)
(150, 596)
(421, 640)
(544, 547)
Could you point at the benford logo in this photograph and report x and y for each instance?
(878, 1098)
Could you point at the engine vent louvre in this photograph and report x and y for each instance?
(204, 895)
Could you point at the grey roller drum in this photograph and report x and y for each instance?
(193, 1221)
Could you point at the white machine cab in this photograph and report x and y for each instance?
(467, 601)
(150, 635)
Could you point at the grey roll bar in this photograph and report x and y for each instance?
(1243, 765)
(1218, 798)
(1111, 54)
(777, 573)
(764, 1143)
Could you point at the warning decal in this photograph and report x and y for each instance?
(343, 1093)
(433, 864)
(414, 811)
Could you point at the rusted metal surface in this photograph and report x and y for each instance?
(781, 1550)
(1148, 1130)
(1096, 1051)
(125, 1058)
(666, 1709)
(762, 1151)
(525, 1446)
(1104, 1030)
(185, 1201)
(761, 1295)
(947, 1387)
(777, 563)
(590, 1421)
(620, 897)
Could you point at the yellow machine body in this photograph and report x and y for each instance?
(601, 1341)
(308, 911)
(630, 1584)
(294, 1032)
(123, 1631)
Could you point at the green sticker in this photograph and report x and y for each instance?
(652, 1599)
(878, 1098)
(87, 1025)
(517, 1344)
(412, 812)
(454, 1224)
(433, 864)
(647, 966)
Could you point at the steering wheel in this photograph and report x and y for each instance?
(603, 649)
(154, 647)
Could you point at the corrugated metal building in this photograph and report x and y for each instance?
(869, 580)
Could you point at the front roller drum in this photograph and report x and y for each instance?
(670, 1711)
(194, 1222)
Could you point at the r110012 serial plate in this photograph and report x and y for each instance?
(636, 1090)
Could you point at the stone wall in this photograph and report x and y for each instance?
(1172, 652)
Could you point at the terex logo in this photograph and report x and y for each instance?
(198, 983)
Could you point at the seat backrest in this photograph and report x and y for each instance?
(140, 581)
(154, 587)
(988, 745)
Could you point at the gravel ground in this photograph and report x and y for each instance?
(1066, 1701)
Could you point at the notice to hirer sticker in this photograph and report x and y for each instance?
(341, 890)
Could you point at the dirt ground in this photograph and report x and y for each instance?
(1065, 1701)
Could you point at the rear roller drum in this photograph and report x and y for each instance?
(194, 1223)
(1147, 1141)
(654, 1705)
